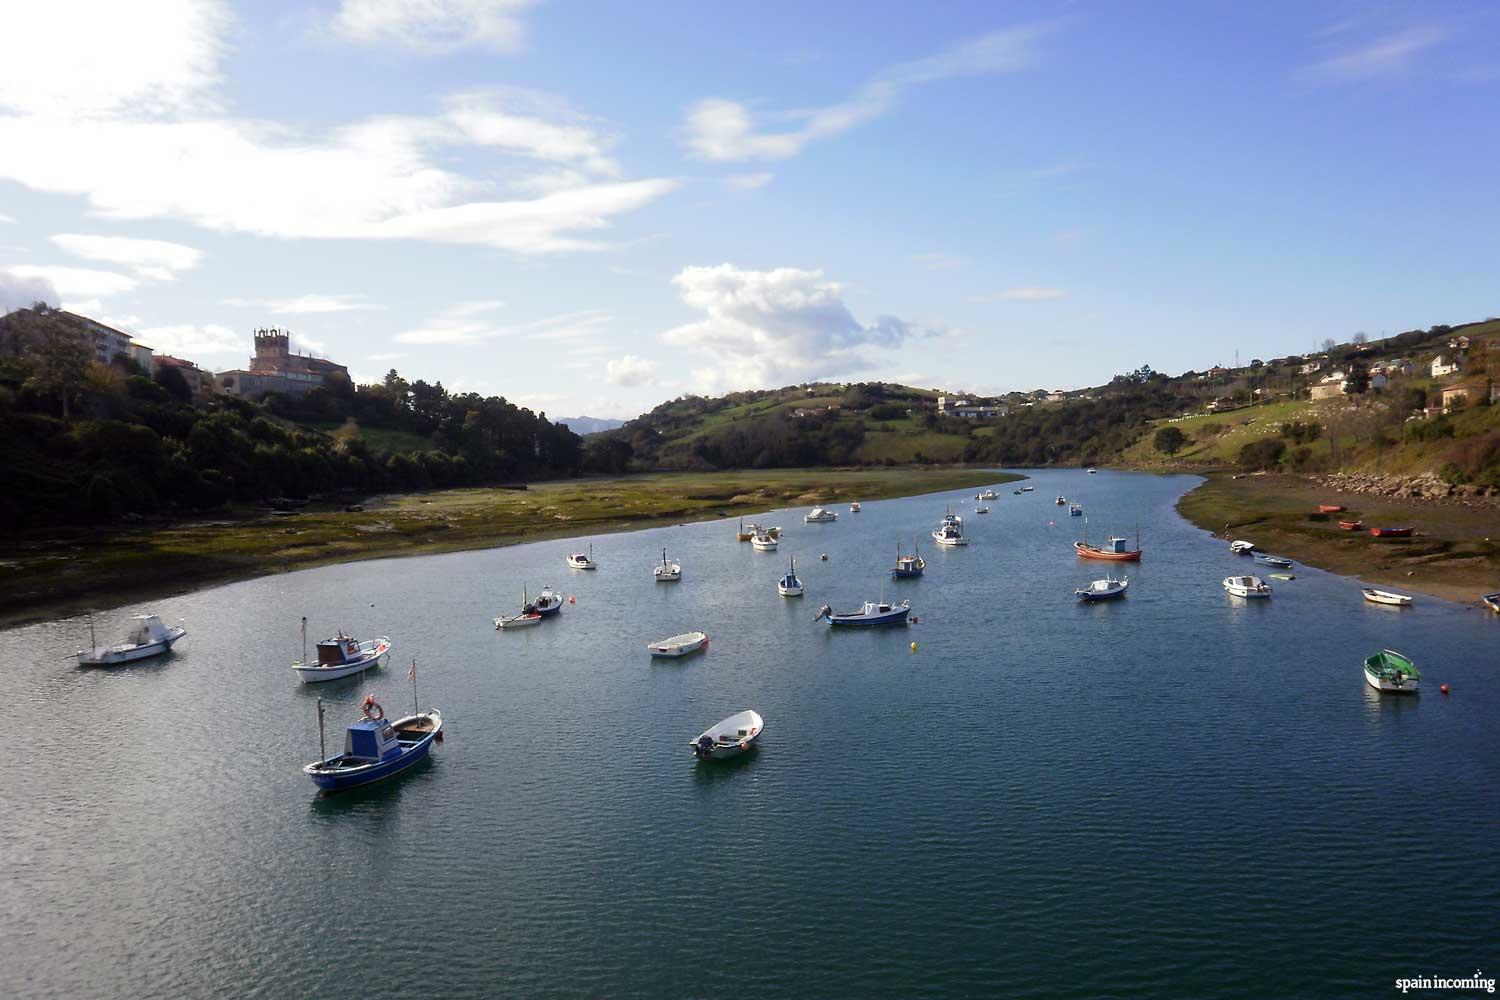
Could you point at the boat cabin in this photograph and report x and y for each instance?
(146, 630)
(1115, 543)
(371, 739)
(340, 649)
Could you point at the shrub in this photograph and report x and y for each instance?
(1263, 454)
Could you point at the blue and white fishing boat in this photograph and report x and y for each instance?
(1106, 589)
(1270, 560)
(1075, 510)
(873, 614)
(950, 532)
(374, 748)
(789, 585)
(908, 567)
(548, 602)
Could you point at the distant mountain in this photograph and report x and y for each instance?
(588, 425)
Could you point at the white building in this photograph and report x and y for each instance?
(1441, 366)
(951, 407)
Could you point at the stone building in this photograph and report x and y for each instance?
(275, 368)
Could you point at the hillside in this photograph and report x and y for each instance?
(588, 425)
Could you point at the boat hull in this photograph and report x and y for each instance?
(580, 564)
(1386, 687)
(316, 675)
(1330, 508)
(330, 779)
(1382, 597)
(898, 617)
(115, 656)
(1391, 532)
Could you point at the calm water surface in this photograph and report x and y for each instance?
(1174, 795)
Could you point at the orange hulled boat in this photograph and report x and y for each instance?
(1352, 525)
(1331, 508)
(1113, 549)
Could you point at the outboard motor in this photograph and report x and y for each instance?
(705, 746)
(823, 612)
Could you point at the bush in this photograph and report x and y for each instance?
(1169, 441)
(1264, 454)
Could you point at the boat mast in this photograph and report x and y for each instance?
(304, 638)
(93, 643)
(412, 676)
(322, 747)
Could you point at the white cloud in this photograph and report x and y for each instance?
(937, 260)
(630, 371)
(22, 291)
(187, 340)
(722, 130)
(305, 343)
(464, 324)
(169, 155)
(1023, 294)
(310, 303)
(5, 219)
(76, 281)
(778, 327)
(156, 260)
(1385, 56)
(749, 182)
(388, 356)
(432, 26)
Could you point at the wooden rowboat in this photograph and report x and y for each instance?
(1352, 525)
(1386, 597)
(1331, 508)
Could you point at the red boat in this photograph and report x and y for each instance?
(1330, 508)
(1114, 550)
(1352, 525)
(1391, 532)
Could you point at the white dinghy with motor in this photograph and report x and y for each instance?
(668, 571)
(148, 636)
(679, 645)
(1386, 597)
(729, 738)
(1246, 586)
(763, 543)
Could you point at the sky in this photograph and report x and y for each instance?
(591, 208)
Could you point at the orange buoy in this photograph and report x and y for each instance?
(572, 599)
(1443, 688)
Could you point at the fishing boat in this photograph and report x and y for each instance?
(580, 560)
(981, 509)
(854, 507)
(1061, 501)
(908, 567)
(1492, 601)
(1281, 562)
(986, 495)
(819, 515)
(764, 543)
(1247, 586)
(1075, 510)
(1113, 550)
(729, 738)
(950, 533)
(1392, 532)
(375, 749)
(1028, 489)
(527, 616)
(789, 585)
(667, 572)
(1241, 548)
(1106, 589)
(147, 637)
(1352, 525)
(679, 645)
(1331, 508)
(549, 602)
(873, 614)
(1389, 671)
(1018, 492)
(1386, 597)
(746, 532)
(341, 656)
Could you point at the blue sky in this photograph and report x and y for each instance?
(589, 208)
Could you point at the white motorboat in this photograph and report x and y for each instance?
(341, 656)
(987, 495)
(1093, 471)
(1386, 597)
(773, 531)
(764, 543)
(819, 515)
(981, 509)
(950, 533)
(148, 636)
(729, 738)
(679, 645)
(1247, 586)
(854, 507)
(1241, 548)
(668, 571)
(790, 585)
(580, 560)
(1103, 590)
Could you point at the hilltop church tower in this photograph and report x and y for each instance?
(273, 351)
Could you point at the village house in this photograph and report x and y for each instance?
(1378, 381)
(952, 407)
(199, 381)
(1468, 390)
(1400, 366)
(1326, 390)
(1442, 367)
(1310, 367)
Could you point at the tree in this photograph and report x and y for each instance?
(1361, 339)
(1263, 454)
(1169, 441)
(1329, 344)
(1358, 380)
(62, 362)
(170, 378)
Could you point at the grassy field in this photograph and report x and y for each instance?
(1454, 555)
(64, 573)
(1238, 428)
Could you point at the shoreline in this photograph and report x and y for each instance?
(1454, 556)
(65, 576)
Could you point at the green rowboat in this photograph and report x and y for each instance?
(1388, 670)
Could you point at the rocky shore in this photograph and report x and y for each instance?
(1426, 487)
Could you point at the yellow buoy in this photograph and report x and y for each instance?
(913, 647)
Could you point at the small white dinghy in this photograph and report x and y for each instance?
(579, 560)
(668, 571)
(147, 637)
(1246, 586)
(763, 543)
(729, 738)
(1240, 548)
(854, 507)
(1386, 597)
(679, 645)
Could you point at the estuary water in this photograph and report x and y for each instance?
(1173, 795)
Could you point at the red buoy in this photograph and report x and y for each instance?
(572, 600)
(1443, 688)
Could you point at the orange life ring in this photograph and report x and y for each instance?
(372, 708)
